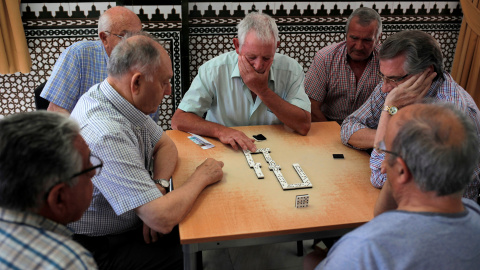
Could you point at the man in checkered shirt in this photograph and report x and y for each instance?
(411, 68)
(342, 76)
(85, 63)
(45, 182)
(131, 222)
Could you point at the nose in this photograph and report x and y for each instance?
(258, 64)
(387, 87)
(168, 90)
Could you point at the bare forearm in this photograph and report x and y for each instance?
(167, 211)
(190, 122)
(317, 114)
(292, 116)
(364, 138)
(52, 107)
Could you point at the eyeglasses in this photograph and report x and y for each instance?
(119, 36)
(391, 80)
(97, 166)
(380, 147)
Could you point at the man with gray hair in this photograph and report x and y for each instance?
(85, 62)
(342, 76)
(252, 85)
(422, 221)
(411, 68)
(45, 183)
(130, 201)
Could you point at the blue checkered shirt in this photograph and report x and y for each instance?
(78, 68)
(330, 80)
(124, 138)
(30, 241)
(368, 116)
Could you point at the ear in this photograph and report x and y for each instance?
(103, 37)
(135, 83)
(236, 43)
(404, 174)
(278, 44)
(56, 205)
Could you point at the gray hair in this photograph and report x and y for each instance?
(440, 155)
(135, 54)
(36, 152)
(366, 16)
(104, 22)
(263, 25)
(421, 51)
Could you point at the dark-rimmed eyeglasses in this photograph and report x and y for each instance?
(117, 35)
(380, 147)
(391, 80)
(97, 165)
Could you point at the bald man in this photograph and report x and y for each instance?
(85, 63)
(422, 221)
(139, 158)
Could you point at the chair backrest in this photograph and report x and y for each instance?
(40, 103)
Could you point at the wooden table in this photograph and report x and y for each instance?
(242, 210)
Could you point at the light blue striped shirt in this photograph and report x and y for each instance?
(30, 241)
(218, 89)
(77, 69)
(124, 138)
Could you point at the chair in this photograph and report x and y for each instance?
(40, 103)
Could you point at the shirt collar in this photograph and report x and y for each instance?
(133, 114)
(34, 220)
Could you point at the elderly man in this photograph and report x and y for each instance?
(138, 159)
(422, 220)
(252, 85)
(84, 63)
(411, 66)
(342, 76)
(45, 183)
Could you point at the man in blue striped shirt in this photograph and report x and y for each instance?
(84, 63)
(45, 182)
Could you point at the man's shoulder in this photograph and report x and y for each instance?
(333, 49)
(86, 46)
(224, 59)
(282, 61)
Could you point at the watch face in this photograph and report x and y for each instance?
(393, 110)
(164, 183)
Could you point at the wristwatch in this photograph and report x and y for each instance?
(162, 182)
(390, 109)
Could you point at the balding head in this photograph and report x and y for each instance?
(140, 70)
(438, 144)
(115, 23)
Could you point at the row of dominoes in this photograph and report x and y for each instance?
(275, 168)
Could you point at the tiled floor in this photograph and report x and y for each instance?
(281, 256)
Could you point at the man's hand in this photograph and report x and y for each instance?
(236, 138)
(256, 82)
(412, 90)
(210, 171)
(149, 235)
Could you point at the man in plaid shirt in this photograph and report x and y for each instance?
(84, 63)
(342, 76)
(411, 68)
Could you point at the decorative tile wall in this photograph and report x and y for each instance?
(305, 27)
